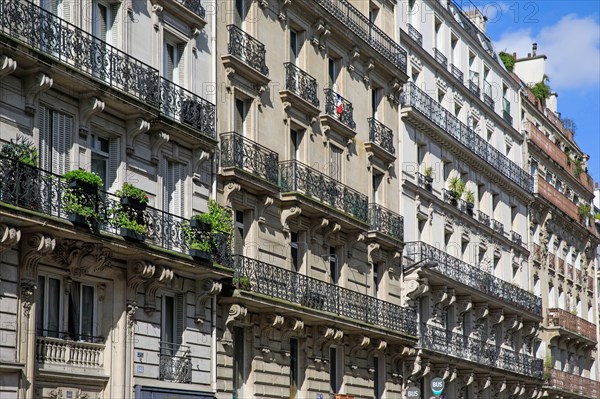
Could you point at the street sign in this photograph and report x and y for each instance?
(413, 393)
(437, 386)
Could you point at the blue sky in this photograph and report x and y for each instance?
(568, 32)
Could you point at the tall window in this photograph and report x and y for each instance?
(241, 11)
(294, 47)
(173, 323)
(105, 159)
(294, 368)
(239, 337)
(376, 279)
(334, 383)
(377, 178)
(295, 140)
(55, 140)
(239, 232)
(335, 162)
(241, 114)
(378, 378)
(173, 67)
(332, 72)
(174, 188)
(334, 272)
(375, 100)
(294, 252)
(103, 19)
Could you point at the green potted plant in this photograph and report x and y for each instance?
(428, 173)
(583, 210)
(81, 197)
(242, 282)
(469, 197)
(132, 197)
(131, 224)
(22, 150)
(199, 238)
(456, 187)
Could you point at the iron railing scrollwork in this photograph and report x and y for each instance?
(415, 34)
(478, 351)
(474, 88)
(47, 193)
(458, 74)
(175, 363)
(487, 95)
(240, 152)
(56, 38)
(301, 83)
(266, 279)
(294, 176)
(473, 277)
(386, 221)
(440, 57)
(358, 23)
(340, 108)
(194, 6)
(414, 97)
(381, 135)
(247, 49)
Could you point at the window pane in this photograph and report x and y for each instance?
(238, 362)
(168, 325)
(293, 368)
(39, 310)
(74, 317)
(99, 167)
(53, 325)
(87, 312)
(333, 385)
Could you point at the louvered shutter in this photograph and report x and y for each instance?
(66, 10)
(62, 126)
(180, 317)
(102, 15)
(167, 186)
(45, 130)
(169, 61)
(181, 64)
(114, 24)
(181, 171)
(114, 162)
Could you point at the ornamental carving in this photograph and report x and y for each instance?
(82, 258)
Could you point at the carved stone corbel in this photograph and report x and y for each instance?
(88, 107)
(318, 28)
(270, 321)
(82, 257)
(229, 191)
(353, 56)
(286, 214)
(236, 313)
(33, 86)
(292, 327)
(138, 272)
(369, 66)
(7, 66)
(415, 286)
(9, 237)
(283, 6)
(374, 253)
(329, 231)
(352, 240)
(205, 290)
(161, 278)
(321, 336)
(157, 140)
(264, 202)
(33, 250)
(200, 157)
(135, 127)
(360, 342)
(394, 87)
(317, 225)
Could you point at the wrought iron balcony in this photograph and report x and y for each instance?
(496, 225)
(301, 83)
(414, 97)
(458, 74)
(358, 23)
(295, 176)
(175, 363)
(194, 6)
(506, 111)
(415, 34)
(516, 237)
(40, 191)
(483, 218)
(385, 221)
(185, 107)
(299, 289)
(478, 351)
(240, 152)
(567, 382)
(339, 108)
(474, 88)
(247, 49)
(65, 352)
(56, 38)
(473, 277)
(536, 250)
(381, 135)
(424, 181)
(440, 58)
(570, 322)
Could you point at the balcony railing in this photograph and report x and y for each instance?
(381, 135)
(474, 88)
(458, 74)
(24, 21)
(240, 152)
(386, 222)
(487, 95)
(283, 284)
(483, 218)
(506, 111)
(358, 23)
(62, 352)
(194, 6)
(340, 108)
(415, 34)
(440, 58)
(47, 193)
(175, 363)
(414, 97)
(301, 83)
(561, 318)
(496, 225)
(247, 49)
(473, 277)
(516, 237)
(478, 351)
(298, 177)
(573, 383)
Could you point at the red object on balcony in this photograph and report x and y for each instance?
(568, 321)
(573, 383)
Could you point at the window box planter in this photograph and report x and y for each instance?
(77, 219)
(199, 224)
(130, 234)
(133, 203)
(470, 207)
(201, 255)
(85, 187)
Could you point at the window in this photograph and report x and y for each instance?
(454, 53)
(173, 321)
(378, 377)
(333, 73)
(241, 11)
(174, 188)
(239, 233)
(81, 313)
(105, 159)
(295, 46)
(376, 279)
(335, 163)
(377, 179)
(294, 252)
(438, 34)
(333, 265)
(55, 140)
(173, 61)
(375, 101)
(294, 368)
(239, 366)
(241, 114)
(334, 370)
(421, 152)
(295, 141)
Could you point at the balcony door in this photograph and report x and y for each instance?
(103, 16)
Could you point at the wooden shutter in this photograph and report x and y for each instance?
(113, 24)
(45, 131)
(180, 317)
(181, 64)
(169, 61)
(62, 127)
(335, 165)
(66, 10)
(114, 162)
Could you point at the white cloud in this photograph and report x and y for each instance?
(572, 46)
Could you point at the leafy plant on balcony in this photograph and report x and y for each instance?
(456, 186)
(125, 220)
(133, 193)
(201, 232)
(22, 150)
(584, 210)
(242, 282)
(578, 168)
(219, 217)
(428, 172)
(508, 60)
(469, 197)
(81, 194)
(598, 216)
(541, 91)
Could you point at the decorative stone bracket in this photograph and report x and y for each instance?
(33, 86)
(33, 250)
(161, 278)
(271, 322)
(82, 257)
(135, 127)
(9, 237)
(324, 336)
(286, 214)
(205, 290)
(236, 314)
(88, 107)
(157, 140)
(7, 66)
(321, 31)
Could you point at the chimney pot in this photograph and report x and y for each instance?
(515, 56)
(534, 49)
(528, 55)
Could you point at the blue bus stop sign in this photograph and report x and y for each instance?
(437, 386)
(413, 393)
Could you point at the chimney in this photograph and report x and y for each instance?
(477, 18)
(514, 56)
(534, 49)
